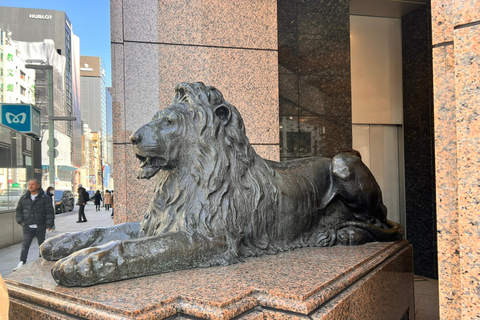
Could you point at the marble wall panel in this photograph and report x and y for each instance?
(324, 57)
(247, 78)
(268, 151)
(289, 92)
(446, 177)
(139, 192)
(448, 14)
(242, 24)
(456, 57)
(140, 20)
(442, 28)
(465, 12)
(326, 96)
(314, 76)
(287, 11)
(121, 182)
(288, 53)
(419, 140)
(118, 95)
(116, 27)
(467, 94)
(324, 18)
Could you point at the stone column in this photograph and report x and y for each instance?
(456, 73)
(157, 44)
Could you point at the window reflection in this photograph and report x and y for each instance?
(15, 166)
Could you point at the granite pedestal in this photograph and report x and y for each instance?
(371, 281)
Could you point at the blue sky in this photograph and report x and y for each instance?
(90, 22)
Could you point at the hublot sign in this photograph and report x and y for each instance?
(41, 16)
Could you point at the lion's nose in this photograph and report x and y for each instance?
(136, 138)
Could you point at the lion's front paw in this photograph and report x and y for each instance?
(89, 266)
(59, 246)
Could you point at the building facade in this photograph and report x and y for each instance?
(17, 82)
(94, 109)
(108, 180)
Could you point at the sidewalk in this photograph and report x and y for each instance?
(64, 222)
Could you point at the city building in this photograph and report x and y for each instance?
(94, 108)
(108, 180)
(96, 164)
(93, 93)
(87, 156)
(36, 25)
(17, 82)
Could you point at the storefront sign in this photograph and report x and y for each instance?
(24, 118)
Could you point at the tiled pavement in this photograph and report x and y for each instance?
(426, 290)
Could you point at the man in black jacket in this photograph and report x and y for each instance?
(81, 204)
(36, 215)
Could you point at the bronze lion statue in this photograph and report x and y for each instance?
(217, 202)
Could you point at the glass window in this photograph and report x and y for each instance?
(15, 167)
(13, 183)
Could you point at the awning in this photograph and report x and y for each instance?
(67, 168)
(61, 167)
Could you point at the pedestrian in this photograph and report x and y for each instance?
(97, 199)
(107, 200)
(81, 204)
(112, 201)
(51, 193)
(35, 214)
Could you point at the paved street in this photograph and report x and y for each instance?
(64, 222)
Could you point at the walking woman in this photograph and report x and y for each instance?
(97, 198)
(107, 200)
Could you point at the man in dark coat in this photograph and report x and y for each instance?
(81, 202)
(36, 215)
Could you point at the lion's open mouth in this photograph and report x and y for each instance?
(149, 166)
(144, 161)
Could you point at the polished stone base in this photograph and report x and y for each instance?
(372, 281)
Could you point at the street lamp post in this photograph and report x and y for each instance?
(51, 143)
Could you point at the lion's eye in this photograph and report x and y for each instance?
(169, 122)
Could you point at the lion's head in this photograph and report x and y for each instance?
(198, 119)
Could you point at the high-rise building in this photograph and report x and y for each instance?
(93, 92)
(108, 174)
(36, 25)
(94, 105)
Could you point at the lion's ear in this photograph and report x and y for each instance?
(223, 113)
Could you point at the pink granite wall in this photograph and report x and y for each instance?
(157, 44)
(456, 60)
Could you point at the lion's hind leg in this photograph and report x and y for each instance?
(353, 236)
